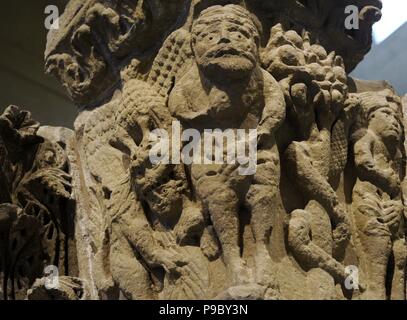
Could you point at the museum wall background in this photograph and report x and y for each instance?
(22, 78)
(387, 60)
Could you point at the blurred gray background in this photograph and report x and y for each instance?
(387, 61)
(22, 79)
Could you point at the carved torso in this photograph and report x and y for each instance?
(236, 104)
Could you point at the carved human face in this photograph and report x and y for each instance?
(166, 201)
(226, 46)
(385, 122)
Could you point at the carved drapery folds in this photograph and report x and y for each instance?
(328, 192)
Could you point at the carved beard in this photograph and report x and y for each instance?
(226, 60)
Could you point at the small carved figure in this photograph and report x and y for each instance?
(378, 207)
(227, 89)
(160, 216)
(315, 89)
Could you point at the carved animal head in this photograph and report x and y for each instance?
(96, 37)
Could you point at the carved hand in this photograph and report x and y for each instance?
(326, 116)
(170, 261)
(392, 214)
(393, 181)
(341, 233)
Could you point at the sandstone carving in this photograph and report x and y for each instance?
(315, 89)
(227, 88)
(316, 212)
(36, 210)
(378, 209)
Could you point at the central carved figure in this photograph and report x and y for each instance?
(227, 89)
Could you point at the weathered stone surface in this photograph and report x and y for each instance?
(68, 289)
(329, 186)
(37, 206)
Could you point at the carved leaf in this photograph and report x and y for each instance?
(34, 194)
(18, 126)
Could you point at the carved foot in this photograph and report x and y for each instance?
(240, 273)
(263, 275)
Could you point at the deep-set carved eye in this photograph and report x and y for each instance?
(203, 36)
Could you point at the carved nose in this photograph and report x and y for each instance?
(224, 40)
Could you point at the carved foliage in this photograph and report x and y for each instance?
(325, 20)
(36, 204)
(98, 35)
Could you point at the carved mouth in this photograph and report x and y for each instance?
(227, 52)
(222, 50)
(395, 129)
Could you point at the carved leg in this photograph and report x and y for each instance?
(134, 250)
(376, 244)
(310, 179)
(315, 185)
(129, 275)
(306, 252)
(260, 204)
(223, 206)
(398, 291)
(261, 201)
